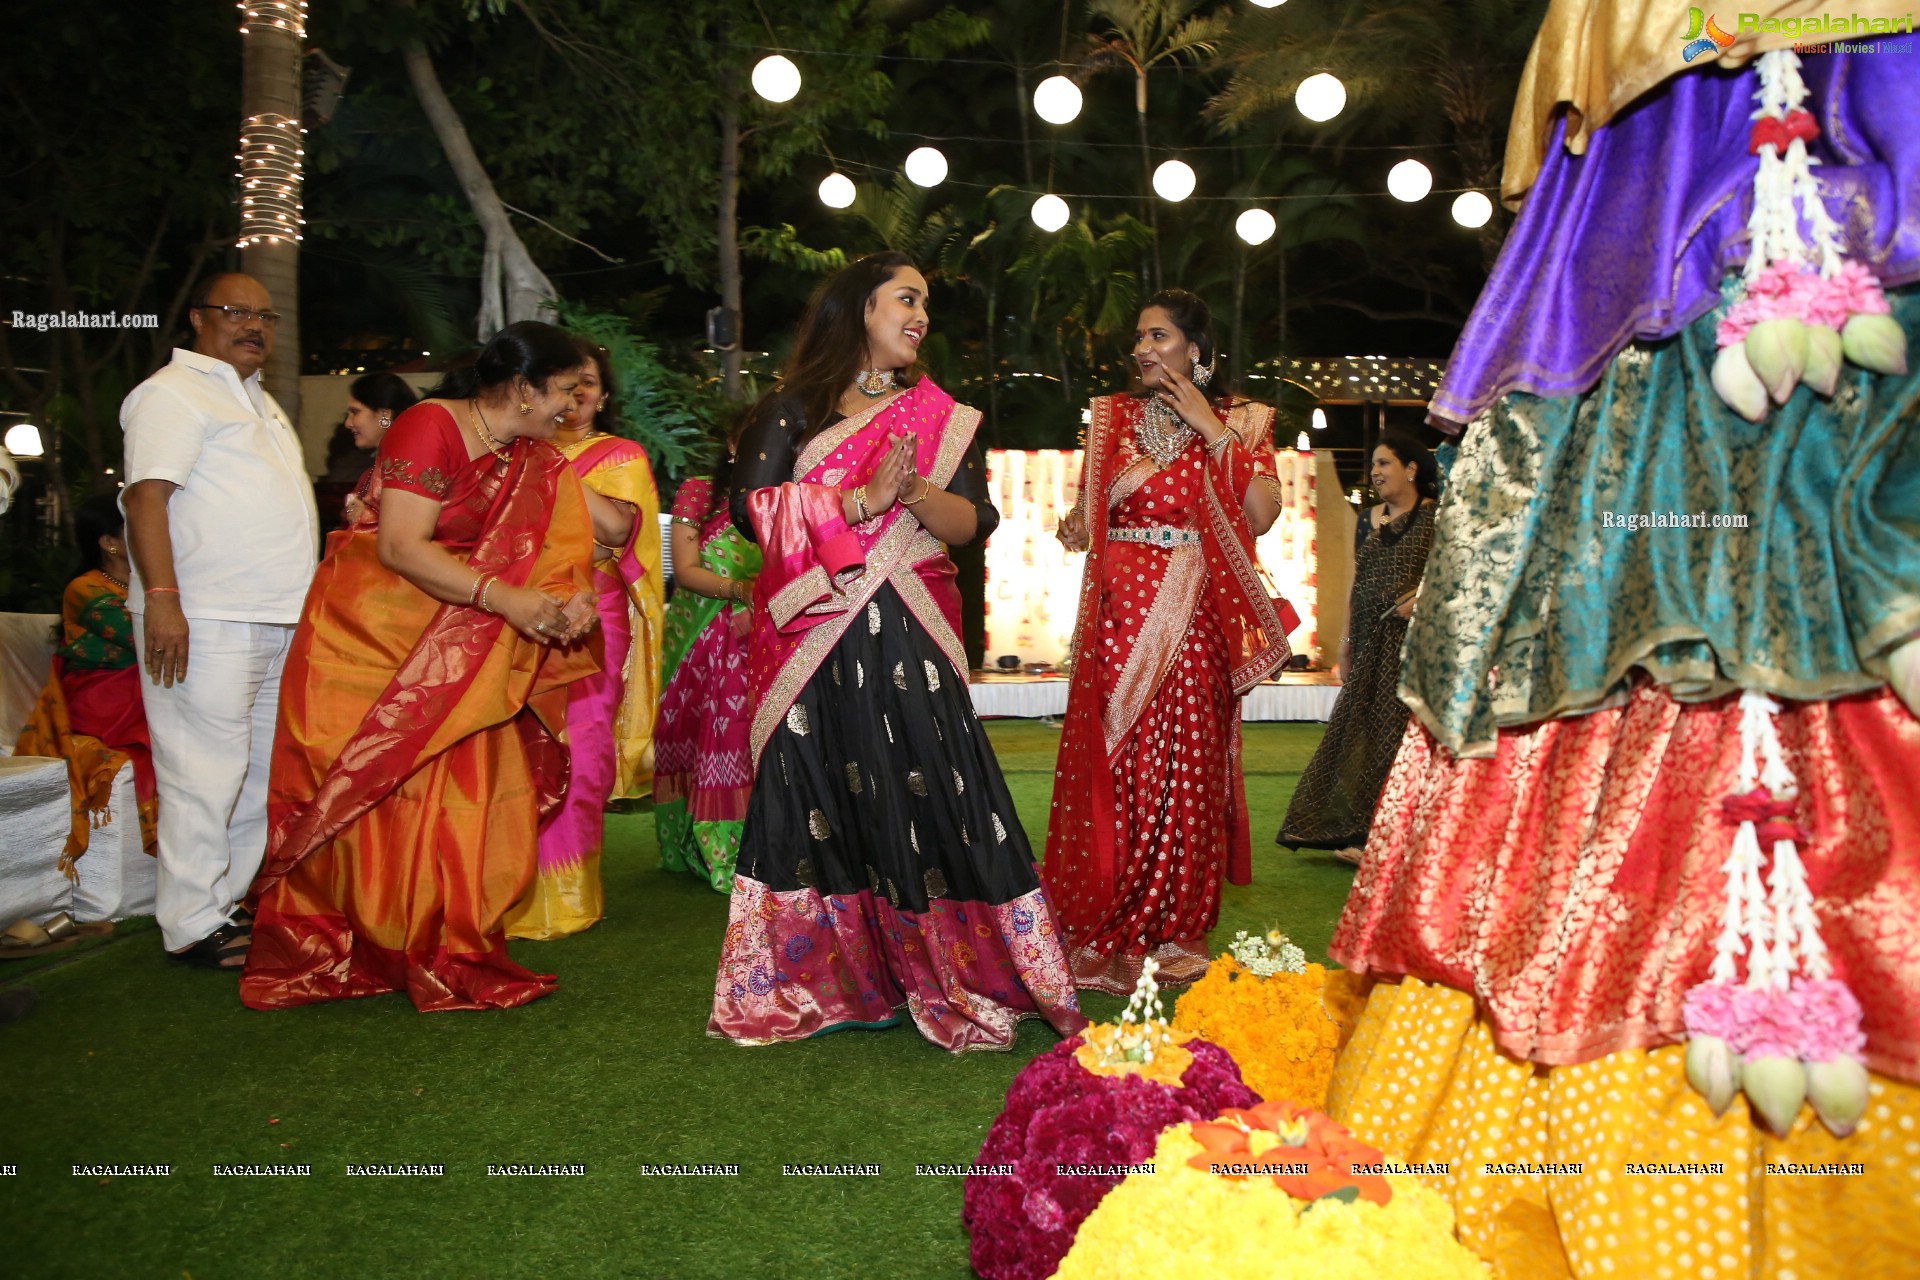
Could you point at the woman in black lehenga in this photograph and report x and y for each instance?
(882, 862)
(1333, 805)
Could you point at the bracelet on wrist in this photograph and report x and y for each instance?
(485, 607)
(925, 484)
(860, 503)
(163, 591)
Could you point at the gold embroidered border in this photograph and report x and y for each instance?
(921, 604)
(822, 445)
(1128, 482)
(793, 599)
(904, 545)
(1264, 662)
(1157, 643)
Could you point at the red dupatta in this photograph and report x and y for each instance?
(816, 572)
(425, 708)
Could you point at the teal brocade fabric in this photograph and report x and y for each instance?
(1534, 608)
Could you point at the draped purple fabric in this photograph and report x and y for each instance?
(1631, 240)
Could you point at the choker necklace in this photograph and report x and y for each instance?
(1161, 433)
(115, 581)
(484, 434)
(874, 383)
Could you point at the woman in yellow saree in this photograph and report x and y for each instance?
(610, 715)
(423, 707)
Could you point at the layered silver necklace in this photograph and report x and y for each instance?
(1161, 433)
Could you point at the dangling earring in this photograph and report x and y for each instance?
(386, 420)
(1202, 374)
(525, 408)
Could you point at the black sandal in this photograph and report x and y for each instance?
(217, 947)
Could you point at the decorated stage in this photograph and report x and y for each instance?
(1306, 695)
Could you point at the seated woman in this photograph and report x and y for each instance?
(89, 713)
(423, 707)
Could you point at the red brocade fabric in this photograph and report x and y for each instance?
(1573, 882)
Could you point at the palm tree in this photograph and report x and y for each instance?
(1139, 35)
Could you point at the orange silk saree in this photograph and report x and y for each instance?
(417, 747)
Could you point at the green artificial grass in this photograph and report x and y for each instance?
(129, 1060)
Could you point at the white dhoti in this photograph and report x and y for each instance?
(212, 743)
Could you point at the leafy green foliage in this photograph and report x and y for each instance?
(672, 415)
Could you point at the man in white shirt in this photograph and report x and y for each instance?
(224, 535)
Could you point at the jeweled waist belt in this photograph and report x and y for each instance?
(1156, 535)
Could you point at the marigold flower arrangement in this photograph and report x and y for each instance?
(1186, 1219)
(1275, 1027)
(1068, 1126)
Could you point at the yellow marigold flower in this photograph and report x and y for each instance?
(1179, 1222)
(1276, 1028)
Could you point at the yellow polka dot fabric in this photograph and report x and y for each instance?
(1663, 1191)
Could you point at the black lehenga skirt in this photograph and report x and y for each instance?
(882, 863)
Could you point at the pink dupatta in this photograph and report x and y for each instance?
(817, 572)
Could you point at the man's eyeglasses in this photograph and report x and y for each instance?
(240, 315)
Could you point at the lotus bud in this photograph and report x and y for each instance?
(1822, 373)
(1738, 385)
(1713, 1070)
(1775, 1086)
(1875, 342)
(1777, 350)
(1838, 1092)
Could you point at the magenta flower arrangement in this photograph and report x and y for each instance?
(1065, 1131)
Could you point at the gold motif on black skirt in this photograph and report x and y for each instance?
(913, 837)
(784, 779)
(797, 719)
(937, 731)
(964, 837)
(936, 883)
(817, 823)
(999, 829)
(885, 721)
(873, 879)
(803, 871)
(836, 671)
(853, 776)
(917, 782)
(893, 895)
(959, 784)
(900, 676)
(873, 619)
(933, 675)
(859, 674)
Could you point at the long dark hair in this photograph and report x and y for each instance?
(525, 349)
(383, 393)
(607, 419)
(722, 480)
(833, 334)
(96, 518)
(1426, 476)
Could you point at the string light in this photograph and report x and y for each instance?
(286, 15)
(926, 167)
(1410, 181)
(271, 158)
(1320, 97)
(1256, 226)
(1361, 379)
(1057, 100)
(1319, 420)
(1174, 181)
(1050, 213)
(836, 191)
(1472, 209)
(776, 78)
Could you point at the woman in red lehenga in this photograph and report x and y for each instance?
(423, 709)
(1149, 812)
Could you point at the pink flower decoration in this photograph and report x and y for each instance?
(1830, 1021)
(1708, 1010)
(1769, 1024)
(1787, 289)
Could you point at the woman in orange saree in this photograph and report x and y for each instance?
(1149, 812)
(424, 702)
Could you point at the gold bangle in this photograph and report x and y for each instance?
(860, 503)
(925, 484)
